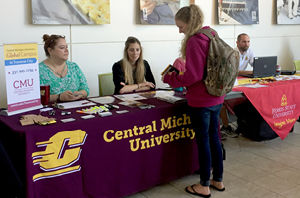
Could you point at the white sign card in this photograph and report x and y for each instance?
(22, 77)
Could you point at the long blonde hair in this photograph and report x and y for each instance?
(127, 67)
(193, 17)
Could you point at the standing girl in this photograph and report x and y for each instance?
(204, 108)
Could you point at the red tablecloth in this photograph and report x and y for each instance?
(278, 104)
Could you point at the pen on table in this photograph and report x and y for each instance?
(78, 111)
(85, 103)
(115, 106)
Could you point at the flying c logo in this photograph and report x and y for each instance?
(62, 150)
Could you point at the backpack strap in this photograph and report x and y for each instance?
(210, 33)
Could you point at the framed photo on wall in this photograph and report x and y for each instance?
(70, 11)
(160, 12)
(288, 11)
(242, 12)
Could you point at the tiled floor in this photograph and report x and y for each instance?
(269, 169)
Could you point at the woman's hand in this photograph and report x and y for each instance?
(127, 88)
(69, 96)
(81, 93)
(146, 84)
(136, 87)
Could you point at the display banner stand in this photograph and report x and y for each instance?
(22, 78)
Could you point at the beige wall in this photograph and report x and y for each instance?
(96, 47)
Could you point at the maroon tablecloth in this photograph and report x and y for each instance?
(103, 157)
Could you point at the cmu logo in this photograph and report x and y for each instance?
(283, 100)
(62, 151)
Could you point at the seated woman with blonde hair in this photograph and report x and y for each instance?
(132, 73)
(66, 80)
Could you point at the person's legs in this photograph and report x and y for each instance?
(200, 120)
(226, 129)
(215, 144)
(224, 116)
(206, 125)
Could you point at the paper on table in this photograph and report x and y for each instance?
(257, 85)
(171, 99)
(287, 77)
(131, 103)
(75, 104)
(103, 99)
(130, 97)
(162, 93)
(244, 81)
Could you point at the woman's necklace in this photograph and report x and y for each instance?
(60, 74)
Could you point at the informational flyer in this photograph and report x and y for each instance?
(22, 77)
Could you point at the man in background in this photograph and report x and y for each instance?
(246, 58)
(246, 54)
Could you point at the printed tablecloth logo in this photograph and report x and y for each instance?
(59, 156)
(283, 100)
(160, 133)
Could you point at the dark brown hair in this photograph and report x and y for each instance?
(50, 41)
(240, 36)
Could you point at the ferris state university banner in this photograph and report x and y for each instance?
(278, 104)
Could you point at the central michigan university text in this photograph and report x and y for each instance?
(135, 135)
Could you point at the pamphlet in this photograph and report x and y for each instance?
(170, 68)
(162, 93)
(256, 85)
(171, 99)
(132, 103)
(148, 94)
(103, 99)
(75, 104)
(130, 97)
